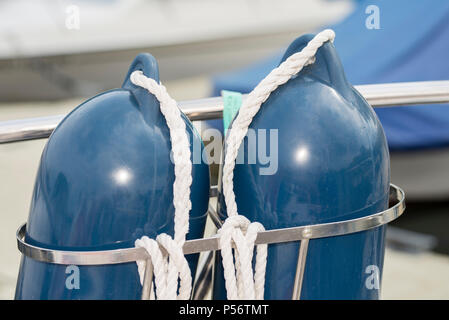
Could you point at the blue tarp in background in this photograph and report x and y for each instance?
(412, 44)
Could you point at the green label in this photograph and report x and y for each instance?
(231, 104)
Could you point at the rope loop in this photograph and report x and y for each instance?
(236, 229)
(171, 269)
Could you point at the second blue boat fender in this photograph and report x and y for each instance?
(105, 180)
(312, 151)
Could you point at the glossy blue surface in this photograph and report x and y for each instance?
(106, 179)
(333, 164)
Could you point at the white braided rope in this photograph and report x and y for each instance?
(168, 269)
(239, 277)
(241, 283)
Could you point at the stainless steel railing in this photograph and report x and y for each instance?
(378, 95)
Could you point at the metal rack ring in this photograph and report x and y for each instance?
(302, 233)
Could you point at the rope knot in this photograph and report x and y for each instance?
(240, 282)
(169, 265)
(235, 222)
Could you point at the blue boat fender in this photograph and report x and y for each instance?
(329, 162)
(105, 180)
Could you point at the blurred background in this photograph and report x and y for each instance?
(54, 54)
